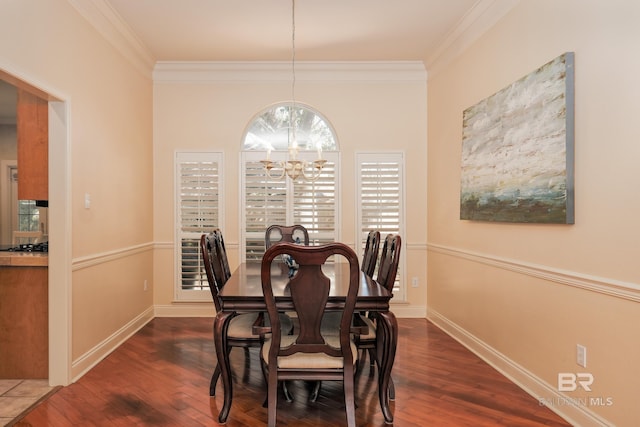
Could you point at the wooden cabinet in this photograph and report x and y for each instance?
(33, 146)
(24, 333)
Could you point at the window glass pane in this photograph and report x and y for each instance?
(28, 216)
(272, 129)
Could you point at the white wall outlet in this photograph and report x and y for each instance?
(415, 282)
(87, 200)
(145, 286)
(581, 355)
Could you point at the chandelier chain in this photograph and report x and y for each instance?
(293, 51)
(293, 167)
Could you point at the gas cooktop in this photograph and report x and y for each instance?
(30, 247)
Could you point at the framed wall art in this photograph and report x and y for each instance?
(517, 150)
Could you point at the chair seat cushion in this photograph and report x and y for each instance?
(308, 360)
(241, 326)
(371, 335)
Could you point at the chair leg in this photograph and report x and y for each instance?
(392, 389)
(316, 391)
(272, 397)
(216, 376)
(247, 365)
(349, 397)
(287, 394)
(372, 356)
(214, 380)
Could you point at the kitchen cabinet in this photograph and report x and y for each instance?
(24, 335)
(32, 124)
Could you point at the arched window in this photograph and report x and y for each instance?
(272, 129)
(267, 201)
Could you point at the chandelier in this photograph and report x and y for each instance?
(293, 167)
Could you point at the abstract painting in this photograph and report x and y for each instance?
(517, 150)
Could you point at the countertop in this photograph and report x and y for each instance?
(24, 259)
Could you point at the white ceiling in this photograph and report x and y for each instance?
(260, 30)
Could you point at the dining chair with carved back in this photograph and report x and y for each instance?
(370, 255)
(368, 266)
(308, 354)
(387, 271)
(240, 330)
(286, 233)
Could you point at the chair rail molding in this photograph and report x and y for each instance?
(625, 290)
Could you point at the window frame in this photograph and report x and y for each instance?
(398, 157)
(180, 157)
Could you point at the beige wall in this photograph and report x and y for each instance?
(367, 114)
(526, 294)
(106, 152)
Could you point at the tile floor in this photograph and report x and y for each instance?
(18, 395)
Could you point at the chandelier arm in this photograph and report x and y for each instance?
(276, 178)
(315, 171)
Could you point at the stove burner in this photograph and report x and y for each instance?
(31, 247)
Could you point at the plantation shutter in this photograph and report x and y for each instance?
(314, 206)
(198, 193)
(265, 204)
(282, 201)
(381, 207)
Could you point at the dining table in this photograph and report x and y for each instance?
(242, 293)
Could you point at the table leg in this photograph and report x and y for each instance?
(220, 327)
(387, 341)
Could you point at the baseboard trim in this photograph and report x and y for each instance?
(185, 310)
(84, 363)
(572, 412)
(406, 311)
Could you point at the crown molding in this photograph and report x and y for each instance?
(101, 15)
(477, 21)
(242, 71)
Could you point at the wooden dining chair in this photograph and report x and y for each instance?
(331, 321)
(240, 330)
(286, 233)
(307, 354)
(222, 254)
(387, 270)
(370, 255)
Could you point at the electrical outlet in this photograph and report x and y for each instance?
(415, 283)
(145, 286)
(581, 355)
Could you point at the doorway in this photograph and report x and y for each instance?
(59, 221)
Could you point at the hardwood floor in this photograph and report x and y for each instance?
(160, 377)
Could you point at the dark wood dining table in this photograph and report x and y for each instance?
(243, 293)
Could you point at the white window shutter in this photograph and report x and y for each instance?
(198, 197)
(282, 201)
(380, 187)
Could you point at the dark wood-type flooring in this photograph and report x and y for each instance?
(160, 377)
